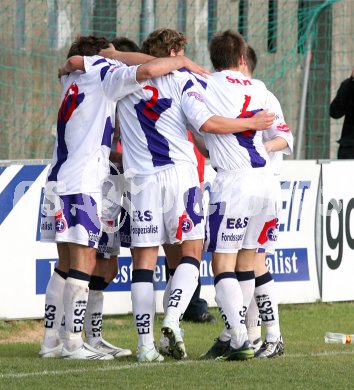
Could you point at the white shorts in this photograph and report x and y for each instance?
(271, 245)
(109, 243)
(165, 207)
(72, 218)
(125, 224)
(242, 211)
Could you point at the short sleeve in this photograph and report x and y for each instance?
(118, 80)
(279, 127)
(193, 105)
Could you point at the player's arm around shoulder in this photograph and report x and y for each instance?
(263, 120)
(279, 137)
(80, 63)
(162, 66)
(128, 58)
(72, 64)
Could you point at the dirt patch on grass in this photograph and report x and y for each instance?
(21, 331)
(32, 331)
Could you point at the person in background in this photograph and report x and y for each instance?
(343, 105)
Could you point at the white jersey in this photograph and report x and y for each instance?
(86, 123)
(153, 123)
(283, 130)
(231, 94)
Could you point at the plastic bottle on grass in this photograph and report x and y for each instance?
(338, 338)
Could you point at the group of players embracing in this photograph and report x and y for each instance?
(156, 95)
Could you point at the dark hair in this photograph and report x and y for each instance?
(125, 44)
(251, 58)
(87, 46)
(162, 41)
(226, 49)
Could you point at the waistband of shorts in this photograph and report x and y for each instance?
(133, 173)
(247, 170)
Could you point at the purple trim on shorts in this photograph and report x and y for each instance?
(215, 220)
(148, 114)
(194, 197)
(260, 250)
(85, 215)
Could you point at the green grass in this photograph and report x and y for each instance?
(308, 362)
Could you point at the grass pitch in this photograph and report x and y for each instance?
(308, 362)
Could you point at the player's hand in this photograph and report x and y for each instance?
(110, 52)
(195, 68)
(268, 146)
(263, 120)
(62, 72)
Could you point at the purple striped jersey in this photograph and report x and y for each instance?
(154, 120)
(85, 124)
(233, 95)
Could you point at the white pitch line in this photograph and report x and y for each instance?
(143, 365)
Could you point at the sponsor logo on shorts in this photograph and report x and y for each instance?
(272, 234)
(152, 229)
(187, 225)
(141, 216)
(231, 237)
(46, 226)
(125, 238)
(60, 225)
(94, 237)
(104, 248)
(239, 223)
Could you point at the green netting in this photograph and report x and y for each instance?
(36, 34)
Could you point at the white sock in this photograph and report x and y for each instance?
(143, 301)
(62, 329)
(225, 335)
(184, 283)
(75, 302)
(247, 284)
(230, 302)
(166, 294)
(93, 317)
(253, 321)
(268, 306)
(54, 309)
